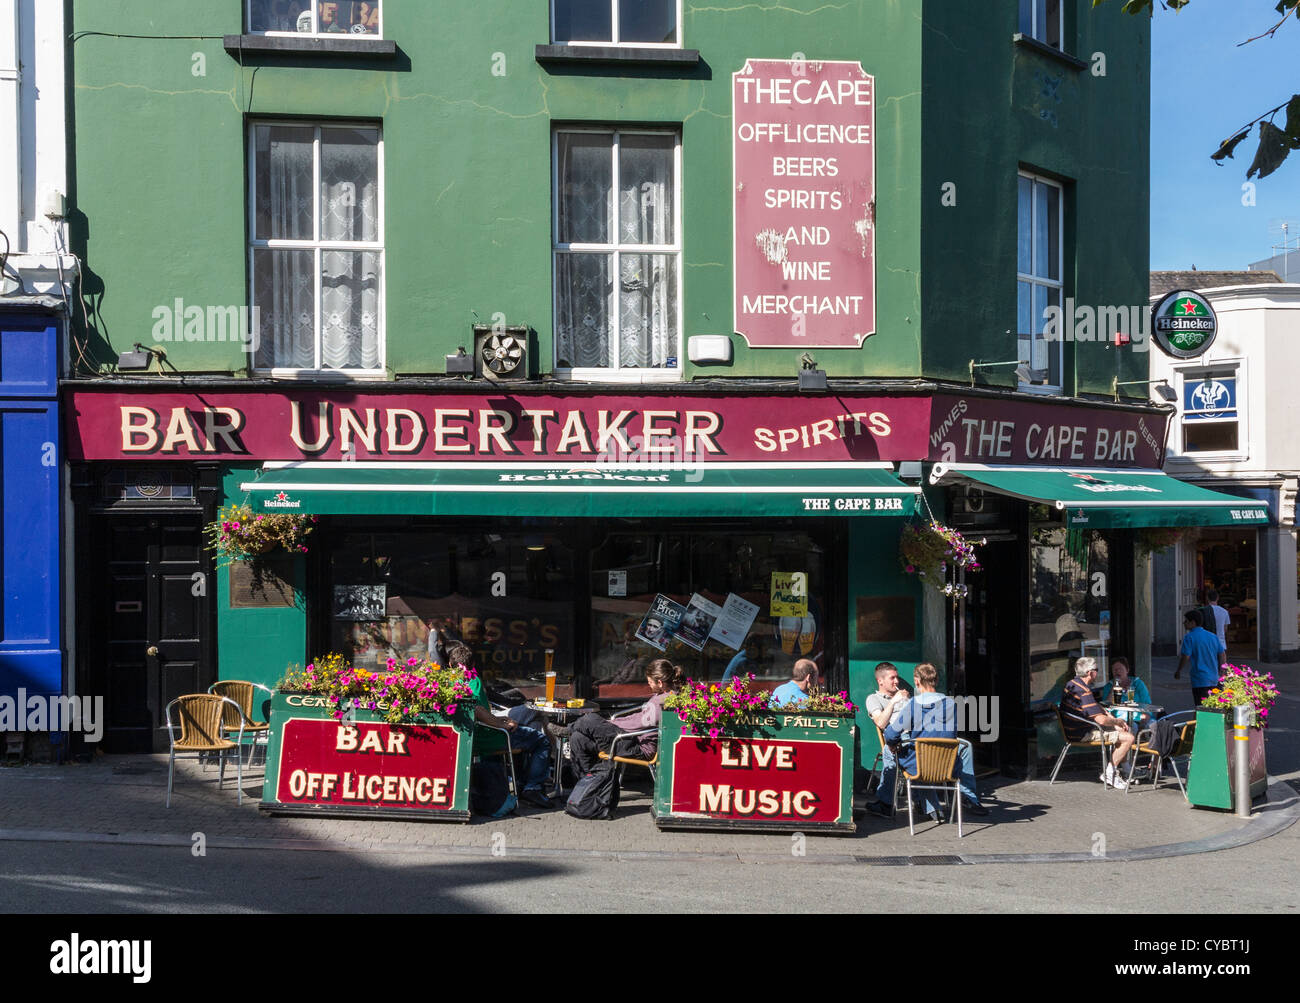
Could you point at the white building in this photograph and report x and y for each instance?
(1237, 430)
(33, 152)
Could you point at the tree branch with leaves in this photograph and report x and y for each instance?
(1275, 144)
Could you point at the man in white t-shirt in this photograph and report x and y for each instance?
(882, 707)
(1220, 624)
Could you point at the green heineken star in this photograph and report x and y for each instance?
(1184, 324)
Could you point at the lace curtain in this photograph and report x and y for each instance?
(285, 279)
(639, 313)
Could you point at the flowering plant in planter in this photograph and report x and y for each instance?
(400, 692)
(927, 551)
(1242, 686)
(819, 701)
(708, 709)
(239, 534)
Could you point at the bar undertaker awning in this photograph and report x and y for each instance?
(627, 490)
(1110, 499)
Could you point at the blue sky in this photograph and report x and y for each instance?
(1203, 89)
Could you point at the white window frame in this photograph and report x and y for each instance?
(1193, 371)
(1038, 32)
(315, 25)
(612, 373)
(613, 30)
(318, 245)
(1035, 280)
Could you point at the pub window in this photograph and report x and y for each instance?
(1039, 282)
(617, 252)
(508, 595)
(629, 570)
(315, 17)
(1211, 418)
(316, 257)
(616, 22)
(1069, 604)
(148, 484)
(1042, 20)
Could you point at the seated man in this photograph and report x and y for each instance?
(931, 714)
(1078, 701)
(882, 707)
(803, 677)
(489, 740)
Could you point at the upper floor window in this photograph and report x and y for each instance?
(1042, 20)
(315, 17)
(1039, 283)
(316, 253)
(616, 22)
(1211, 415)
(617, 253)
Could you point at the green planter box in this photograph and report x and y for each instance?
(779, 772)
(366, 768)
(1209, 775)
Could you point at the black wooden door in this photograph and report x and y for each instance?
(153, 622)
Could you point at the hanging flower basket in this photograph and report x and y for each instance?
(930, 550)
(1154, 539)
(239, 534)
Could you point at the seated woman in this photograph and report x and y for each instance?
(593, 734)
(1120, 673)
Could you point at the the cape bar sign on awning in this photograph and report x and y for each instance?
(803, 151)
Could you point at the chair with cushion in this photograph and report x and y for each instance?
(1082, 743)
(935, 769)
(242, 693)
(1145, 746)
(201, 723)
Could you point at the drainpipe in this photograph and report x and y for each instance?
(11, 170)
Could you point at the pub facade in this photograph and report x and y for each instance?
(583, 318)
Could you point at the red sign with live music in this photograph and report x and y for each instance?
(757, 779)
(363, 764)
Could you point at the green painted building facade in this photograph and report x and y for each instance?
(461, 111)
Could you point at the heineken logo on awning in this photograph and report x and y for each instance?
(1087, 482)
(280, 500)
(1184, 324)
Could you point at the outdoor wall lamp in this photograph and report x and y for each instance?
(810, 377)
(1162, 388)
(140, 359)
(1024, 377)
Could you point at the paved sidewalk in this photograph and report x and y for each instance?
(120, 799)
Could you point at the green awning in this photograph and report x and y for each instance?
(1110, 499)
(635, 490)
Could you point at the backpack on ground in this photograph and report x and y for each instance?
(595, 795)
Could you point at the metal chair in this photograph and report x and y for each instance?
(631, 760)
(242, 692)
(936, 769)
(1082, 743)
(201, 722)
(1182, 747)
(508, 751)
(879, 765)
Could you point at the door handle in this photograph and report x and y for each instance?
(152, 651)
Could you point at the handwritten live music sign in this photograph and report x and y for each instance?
(803, 150)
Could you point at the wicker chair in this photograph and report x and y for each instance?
(242, 692)
(936, 769)
(631, 760)
(1083, 743)
(202, 717)
(1182, 747)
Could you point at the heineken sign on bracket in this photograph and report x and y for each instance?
(1184, 324)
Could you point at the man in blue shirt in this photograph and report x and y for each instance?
(1200, 649)
(929, 714)
(803, 677)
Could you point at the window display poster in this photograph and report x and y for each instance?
(360, 602)
(732, 627)
(698, 621)
(660, 622)
(789, 593)
(618, 583)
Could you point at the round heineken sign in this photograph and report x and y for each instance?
(1184, 324)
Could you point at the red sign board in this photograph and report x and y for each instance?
(324, 425)
(803, 149)
(1005, 432)
(367, 765)
(757, 779)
